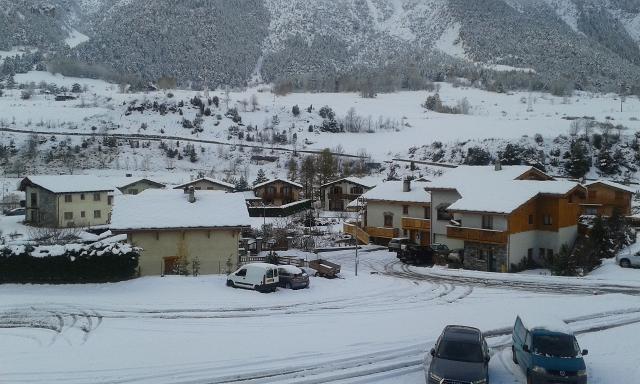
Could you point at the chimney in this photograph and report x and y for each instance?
(192, 194)
(406, 185)
(498, 165)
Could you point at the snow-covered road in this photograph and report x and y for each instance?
(370, 328)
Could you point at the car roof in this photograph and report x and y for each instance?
(461, 333)
(260, 265)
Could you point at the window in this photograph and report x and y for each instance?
(242, 272)
(548, 220)
(427, 212)
(405, 233)
(133, 191)
(388, 219)
(271, 190)
(68, 198)
(405, 209)
(356, 190)
(198, 188)
(286, 191)
(97, 214)
(530, 219)
(68, 215)
(109, 200)
(541, 252)
(443, 214)
(487, 222)
(34, 199)
(82, 214)
(96, 196)
(591, 211)
(549, 253)
(82, 196)
(482, 254)
(336, 190)
(530, 253)
(619, 195)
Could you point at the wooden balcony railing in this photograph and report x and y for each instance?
(343, 196)
(357, 232)
(416, 224)
(387, 233)
(477, 234)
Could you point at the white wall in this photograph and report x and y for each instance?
(519, 243)
(439, 228)
(474, 220)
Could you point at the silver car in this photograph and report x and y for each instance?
(627, 259)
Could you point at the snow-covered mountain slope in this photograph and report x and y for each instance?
(593, 43)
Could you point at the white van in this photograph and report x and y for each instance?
(262, 277)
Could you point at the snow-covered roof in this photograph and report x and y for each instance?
(209, 179)
(469, 177)
(276, 180)
(165, 209)
(366, 181)
(393, 191)
(614, 185)
(121, 182)
(538, 321)
(250, 195)
(69, 183)
(506, 196)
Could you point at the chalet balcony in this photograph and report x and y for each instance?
(410, 223)
(343, 196)
(387, 233)
(278, 196)
(477, 234)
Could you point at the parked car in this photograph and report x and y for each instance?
(440, 249)
(460, 355)
(261, 277)
(15, 212)
(547, 352)
(628, 258)
(396, 243)
(416, 254)
(292, 277)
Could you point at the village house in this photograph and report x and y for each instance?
(66, 201)
(502, 216)
(173, 227)
(278, 192)
(603, 197)
(336, 195)
(394, 209)
(135, 185)
(206, 184)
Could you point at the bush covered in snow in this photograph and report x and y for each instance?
(102, 261)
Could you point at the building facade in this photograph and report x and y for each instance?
(336, 195)
(67, 201)
(206, 184)
(278, 192)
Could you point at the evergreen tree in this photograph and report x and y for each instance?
(242, 184)
(261, 177)
(295, 110)
(76, 88)
(564, 263)
(577, 164)
(11, 82)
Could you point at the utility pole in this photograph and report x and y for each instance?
(357, 227)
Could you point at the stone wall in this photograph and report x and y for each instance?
(477, 257)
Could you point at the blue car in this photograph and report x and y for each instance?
(548, 352)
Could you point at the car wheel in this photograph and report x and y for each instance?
(513, 355)
(624, 263)
(529, 378)
(230, 283)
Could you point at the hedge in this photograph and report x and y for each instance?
(73, 263)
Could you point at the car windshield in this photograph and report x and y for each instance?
(460, 351)
(555, 345)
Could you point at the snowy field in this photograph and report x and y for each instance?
(373, 328)
(492, 115)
